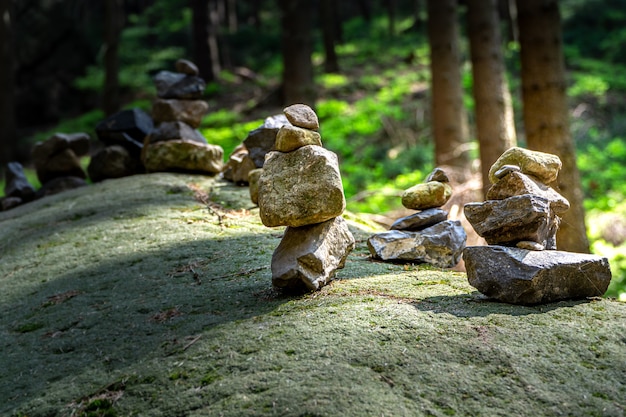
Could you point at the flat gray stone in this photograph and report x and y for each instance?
(520, 276)
(174, 131)
(307, 257)
(183, 156)
(301, 115)
(420, 220)
(440, 245)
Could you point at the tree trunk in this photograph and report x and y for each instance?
(200, 35)
(328, 21)
(8, 135)
(546, 111)
(113, 25)
(449, 119)
(297, 46)
(495, 127)
(213, 39)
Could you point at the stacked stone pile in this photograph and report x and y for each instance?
(519, 220)
(300, 187)
(122, 135)
(250, 155)
(175, 144)
(427, 235)
(57, 162)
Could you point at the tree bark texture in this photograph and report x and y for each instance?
(113, 25)
(495, 127)
(297, 47)
(200, 35)
(8, 135)
(546, 117)
(328, 14)
(449, 119)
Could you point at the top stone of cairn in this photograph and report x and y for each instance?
(543, 166)
(303, 116)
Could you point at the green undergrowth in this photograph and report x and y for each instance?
(151, 295)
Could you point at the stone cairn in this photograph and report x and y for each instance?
(175, 144)
(519, 221)
(249, 156)
(300, 187)
(427, 235)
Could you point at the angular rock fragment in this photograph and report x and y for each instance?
(308, 256)
(176, 85)
(16, 183)
(186, 67)
(301, 187)
(261, 140)
(127, 128)
(112, 162)
(420, 220)
(440, 245)
(172, 110)
(506, 222)
(517, 183)
(174, 131)
(253, 179)
(520, 276)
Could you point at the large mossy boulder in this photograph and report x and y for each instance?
(152, 295)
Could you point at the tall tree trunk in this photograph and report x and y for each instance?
(328, 21)
(8, 135)
(200, 35)
(297, 47)
(546, 120)
(448, 114)
(213, 39)
(495, 127)
(113, 25)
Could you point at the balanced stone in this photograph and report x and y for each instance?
(61, 164)
(183, 155)
(186, 67)
(420, 220)
(112, 162)
(542, 165)
(262, 139)
(437, 174)
(308, 257)
(520, 276)
(127, 128)
(16, 183)
(174, 85)
(289, 138)
(174, 131)
(240, 166)
(301, 187)
(514, 219)
(440, 245)
(517, 183)
(253, 180)
(431, 194)
(187, 111)
(301, 115)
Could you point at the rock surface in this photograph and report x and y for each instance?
(521, 276)
(301, 187)
(186, 111)
(308, 256)
(112, 162)
(176, 85)
(16, 183)
(440, 245)
(290, 138)
(420, 220)
(303, 116)
(127, 128)
(59, 156)
(174, 131)
(260, 141)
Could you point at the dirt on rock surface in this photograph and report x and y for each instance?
(151, 296)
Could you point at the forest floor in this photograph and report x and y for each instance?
(151, 296)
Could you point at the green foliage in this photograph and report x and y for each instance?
(224, 128)
(603, 170)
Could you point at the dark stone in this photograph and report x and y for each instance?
(7, 203)
(514, 219)
(175, 131)
(420, 220)
(307, 257)
(59, 185)
(178, 85)
(520, 276)
(261, 140)
(440, 245)
(17, 184)
(127, 128)
(58, 156)
(437, 174)
(187, 67)
(113, 162)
